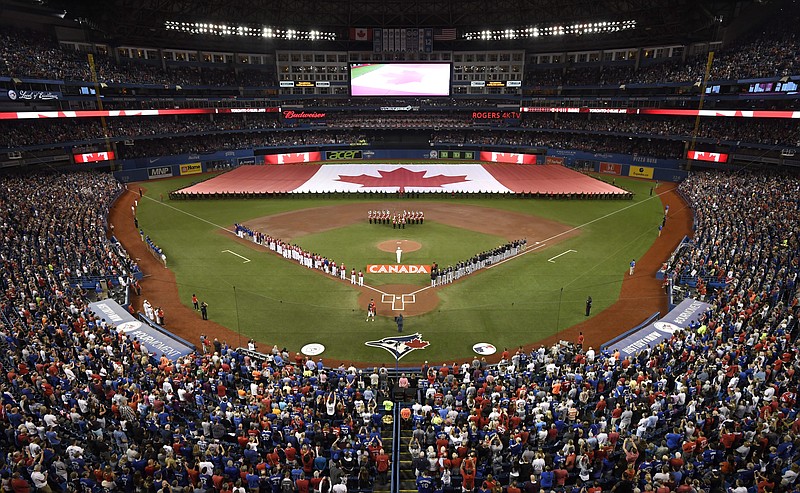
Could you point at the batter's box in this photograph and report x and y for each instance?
(398, 302)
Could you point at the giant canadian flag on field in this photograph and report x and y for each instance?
(410, 178)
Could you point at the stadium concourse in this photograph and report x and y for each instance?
(712, 409)
(472, 178)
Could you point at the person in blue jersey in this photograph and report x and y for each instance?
(425, 483)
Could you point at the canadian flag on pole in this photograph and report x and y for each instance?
(360, 34)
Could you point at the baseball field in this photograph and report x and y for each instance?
(575, 249)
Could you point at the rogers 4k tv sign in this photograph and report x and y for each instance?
(342, 155)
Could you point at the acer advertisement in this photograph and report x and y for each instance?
(93, 157)
(293, 158)
(343, 155)
(611, 168)
(507, 157)
(400, 79)
(712, 157)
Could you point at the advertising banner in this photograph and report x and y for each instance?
(159, 172)
(23, 95)
(247, 160)
(156, 341)
(496, 115)
(191, 168)
(293, 158)
(507, 157)
(554, 160)
(93, 157)
(713, 157)
(398, 269)
(613, 169)
(342, 155)
(641, 172)
(679, 318)
(314, 115)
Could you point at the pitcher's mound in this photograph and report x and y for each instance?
(405, 245)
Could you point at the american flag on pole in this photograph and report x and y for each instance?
(445, 34)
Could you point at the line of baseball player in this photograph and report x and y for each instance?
(439, 276)
(446, 275)
(302, 257)
(398, 220)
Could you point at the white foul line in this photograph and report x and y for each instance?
(234, 253)
(552, 259)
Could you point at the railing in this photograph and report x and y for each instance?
(396, 444)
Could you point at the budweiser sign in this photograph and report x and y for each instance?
(288, 114)
(398, 269)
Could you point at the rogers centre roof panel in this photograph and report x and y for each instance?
(657, 21)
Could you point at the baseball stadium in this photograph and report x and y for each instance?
(399, 246)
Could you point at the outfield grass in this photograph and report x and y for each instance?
(276, 301)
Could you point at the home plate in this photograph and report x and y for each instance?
(398, 302)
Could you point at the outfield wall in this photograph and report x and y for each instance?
(142, 169)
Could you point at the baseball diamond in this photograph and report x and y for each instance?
(455, 230)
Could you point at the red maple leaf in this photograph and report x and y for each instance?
(402, 177)
(404, 77)
(417, 344)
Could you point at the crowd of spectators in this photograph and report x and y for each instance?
(641, 146)
(34, 55)
(735, 246)
(712, 409)
(762, 131)
(37, 132)
(85, 408)
(772, 52)
(659, 137)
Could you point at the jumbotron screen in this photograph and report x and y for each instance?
(400, 79)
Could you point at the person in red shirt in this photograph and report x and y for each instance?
(382, 466)
(468, 473)
(302, 484)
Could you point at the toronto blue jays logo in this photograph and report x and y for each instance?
(400, 346)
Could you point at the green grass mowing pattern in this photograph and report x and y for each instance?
(357, 245)
(359, 71)
(521, 301)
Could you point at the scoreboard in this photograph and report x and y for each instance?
(456, 154)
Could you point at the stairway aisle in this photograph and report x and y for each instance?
(408, 481)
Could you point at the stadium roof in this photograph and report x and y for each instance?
(657, 20)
